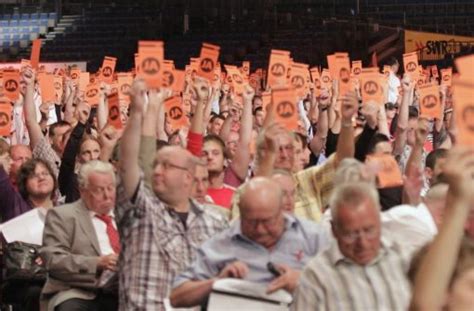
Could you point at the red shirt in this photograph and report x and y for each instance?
(222, 196)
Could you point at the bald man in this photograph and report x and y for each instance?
(264, 233)
(161, 228)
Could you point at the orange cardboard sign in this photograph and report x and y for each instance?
(434, 71)
(5, 118)
(464, 65)
(430, 104)
(278, 68)
(235, 78)
(208, 61)
(46, 85)
(333, 63)
(11, 84)
(326, 81)
(343, 73)
(246, 68)
(371, 86)
(75, 74)
(463, 97)
(410, 64)
(84, 78)
(125, 81)
(298, 78)
(150, 59)
(107, 69)
(114, 111)
(389, 174)
(58, 87)
(92, 94)
(173, 78)
(35, 53)
(356, 67)
(25, 63)
(446, 76)
(175, 112)
(284, 107)
(386, 70)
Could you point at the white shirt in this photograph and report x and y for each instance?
(419, 216)
(101, 232)
(393, 85)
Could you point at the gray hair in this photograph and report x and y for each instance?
(353, 194)
(351, 170)
(94, 166)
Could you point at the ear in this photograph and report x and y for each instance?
(428, 172)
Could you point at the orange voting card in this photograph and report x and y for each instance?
(173, 78)
(5, 118)
(332, 63)
(434, 71)
(410, 64)
(430, 104)
(356, 67)
(389, 174)
(46, 84)
(326, 81)
(208, 61)
(446, 76)
(463, 97)
(298, 78)
(343, 73)
(278, 68)
(150, 59)
(75, 74)
(386, 70)
(234, 76)
(465, 66)
(92, 94)
(84, 78)
(284, 107)
(11, 84)
(175, 113)
(246, 68)
(107, 70)
(125, 80)
(35, 53)
(58, 88)
(371, 86)
(114, 111)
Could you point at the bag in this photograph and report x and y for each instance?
(20, 262)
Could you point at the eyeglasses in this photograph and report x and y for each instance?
(40, 175)
(351, 237)
(166, 165)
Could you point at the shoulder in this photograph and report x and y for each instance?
(212, 214)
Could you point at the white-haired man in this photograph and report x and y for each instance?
(80, 241)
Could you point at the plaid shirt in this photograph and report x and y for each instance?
(156, 246)
(44, 151)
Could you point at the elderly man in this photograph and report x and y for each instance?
(161, 227)
(80, 241)
(363, 270)
(264, 234)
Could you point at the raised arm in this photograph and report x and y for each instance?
(129, 147)
(34, 129)
(402, 124)
(319, 138)
(345, 143)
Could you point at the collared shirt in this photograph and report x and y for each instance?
(156, 246)
(101, 231)
(314, 185)
(393, 85)
(331, 281)
(300, 241)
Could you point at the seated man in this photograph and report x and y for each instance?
(80, 240)
(364, 270)
(263, 234)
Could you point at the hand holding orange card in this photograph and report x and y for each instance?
(5, 118)
(125, 80)
(208, 61)
(371, 86)
(114, 111)
(246, 68)
(388, 174)
(46, 84)
(284, 107)
(58, 88)
(463, 97)
(430, 104)
(11, 84)
(75, 74)
(343, 71)
(464, 65)
(150, 55)
(92, 94)
(410, 64)
(446, 76)
(84, 78)
(298, 78)
(278, 68)
(235, 77)
(326, 81)
(35, 53)
(107, 70)
(175, 113)
(356, 67)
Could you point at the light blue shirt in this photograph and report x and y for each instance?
(301, 240)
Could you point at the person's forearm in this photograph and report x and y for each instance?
(197, 120)
(69, 108)
(102, 112)
(439, 122)
(345, 143)
(433, 277)
(160, 123)
(191, 293)
(34, 129)
(150, 121)
(129, 149)
(226, 127)
(382, 122)
(264, 166)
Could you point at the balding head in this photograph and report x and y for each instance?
(261, 211)
(19, 154)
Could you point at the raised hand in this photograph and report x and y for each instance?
(138, 96)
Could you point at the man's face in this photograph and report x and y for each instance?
(216, 126)
(257, 102)
(90, 150)
(57, 140)
(99, 195)
(288, 188)
(259, 117)
(201, 183)
(19, 154)
(286, 154)
(41, 183)
(214, 156)
(357, 231)
(231, 144)
(383, 147)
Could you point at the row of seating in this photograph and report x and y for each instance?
(28, 16)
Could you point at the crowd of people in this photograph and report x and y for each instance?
(363, 205)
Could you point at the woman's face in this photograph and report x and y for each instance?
(461, 296)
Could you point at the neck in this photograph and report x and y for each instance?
(181, 207)
(216, 179)
(45, 202)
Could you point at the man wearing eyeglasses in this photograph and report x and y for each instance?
(364, 270)
(266, 245)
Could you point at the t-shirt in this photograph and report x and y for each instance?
(222, 196)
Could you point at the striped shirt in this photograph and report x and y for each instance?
(156, 246)
(332, 282)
